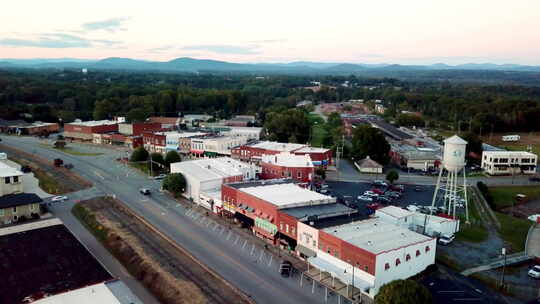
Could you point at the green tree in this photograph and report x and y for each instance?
(172, 157)
(158, 162)
(410, 120)
(175, 183)
(474, 144)
(368, 141)
(138, 155)
(321, 172)
(392, 176)
(281, 126)
(136, 115)
(334, 120)
(403, 292)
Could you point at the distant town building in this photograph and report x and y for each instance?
(287, 165)
(368, 165)
(85, 130)
(509, 162)
(254, 151)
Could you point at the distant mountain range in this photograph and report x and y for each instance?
(186, 64)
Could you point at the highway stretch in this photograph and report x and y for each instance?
(224, 252)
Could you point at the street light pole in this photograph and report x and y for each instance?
(504, 266)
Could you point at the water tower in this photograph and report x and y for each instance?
(451, 189)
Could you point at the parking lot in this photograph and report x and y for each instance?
(350, 191)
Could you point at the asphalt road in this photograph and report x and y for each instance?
(229, 254)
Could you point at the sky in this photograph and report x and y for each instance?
(383, 31)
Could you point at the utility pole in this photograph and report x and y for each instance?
(504, 266)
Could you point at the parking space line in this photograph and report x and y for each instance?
(245, 242)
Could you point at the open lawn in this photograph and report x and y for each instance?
(513, 231)
(475, 232)
(72, 151)
(506, 196)
(318, 132)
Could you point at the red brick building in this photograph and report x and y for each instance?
(253, 152)
(138, 128)
(85, 130)
(287, 165)
(154, 142)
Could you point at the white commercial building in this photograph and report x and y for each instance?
(10, 180)
(277, 146)
(172, 139)
(286, 159)
(204, 177)
(249, 133)
(509, 162)
(380, 252)
(431, 225)
(216, 145)
(113, 292)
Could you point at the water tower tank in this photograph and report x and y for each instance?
(454, 153)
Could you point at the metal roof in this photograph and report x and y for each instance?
(456, 140)
(6, 170)
(93, 123)
(276, 146)
(376, 236)
(394, 211)
(210, 168)
(287, 195)
(287, 159)
(18, 199)
(309, 213)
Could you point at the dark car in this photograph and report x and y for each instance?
(535, 179)
(145, 191)
(26, 169)
(285, 269)
(384, 200)
(394, 195)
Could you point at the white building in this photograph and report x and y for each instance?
(172, 139)
(509, 162)
(249, 133)
(216, 145)
(204, 177)
(379, 252)
(422, 223)
(10, 180)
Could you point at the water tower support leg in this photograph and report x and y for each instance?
(436, 190)
(465, 197)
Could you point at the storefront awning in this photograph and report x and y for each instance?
(306, 251)
(196, 151)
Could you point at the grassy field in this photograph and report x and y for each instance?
(318, 132)
(506, 196)
(71, 151)
(513, 231)
(475, 232)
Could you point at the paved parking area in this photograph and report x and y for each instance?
(354, 189)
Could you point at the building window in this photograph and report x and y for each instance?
(417, 252)
(286, 228)
(398, 261)
(386, 266)
(15, 179)
(14, 210)
(299, 174)
(408, 257)
(282, 173)
(292, 230)
(314, 243)
(8, 180)
(281, 226)
(366, 269)
(32, 207)
(427, 248)
(1, 212)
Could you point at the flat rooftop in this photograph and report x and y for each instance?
(319, 212)
(376, 236)
(513, 153)
(93, 123)
(210, 168)
(311, 150)
(276, 146)
(394, 211)
(174, 134)
(103, 293)
(287, 159)
(44, 258)
(287, 195)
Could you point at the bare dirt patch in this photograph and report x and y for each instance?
(168, 272)
(70, 181)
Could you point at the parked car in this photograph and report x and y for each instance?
(161, 176)
(371, 194)
(399, 188)
(446, 239)
(59, 198)
(384, 200)
(365, 198)
(144, 191)
(535, 179)
(285, 269)
(377, 191)
(68, 166)
(380, 183)
(324, 191)
(534, 272)
(58, 162)
(414, 208)
(394, 194)
(26, 169)
(373, 206)
(324, 186)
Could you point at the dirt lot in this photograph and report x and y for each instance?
(168, 272)
(48, 174)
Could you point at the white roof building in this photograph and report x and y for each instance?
(208, 174)
(277, 146)
(102, 293)
(288, 195)
(509, 162)
(93, 123)
(287, 159)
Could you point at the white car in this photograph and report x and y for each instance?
(161, 176)
(371, 194)
(413, 208)
(446, 239)
(534, 272)
(60, 198)
(365, 198)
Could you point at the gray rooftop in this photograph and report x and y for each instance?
(318, 212)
